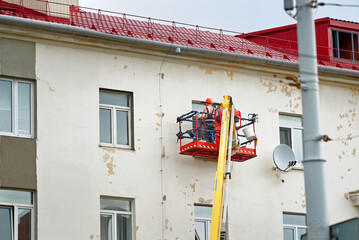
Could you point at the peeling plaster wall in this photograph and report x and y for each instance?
(73, 171)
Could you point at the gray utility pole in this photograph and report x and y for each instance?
(314, 177)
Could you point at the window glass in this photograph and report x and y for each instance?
(285, 136)
(5, 223)
(198, 107)
(290, 121)
(201, 229)
(114, 98)
(335, 44)
(298, 144)
(356, 47)
(115, 204)
(293, 219)
(300, 232)
(288, 234)
(5, 106)
(106, 227)
(345, 45)
(13, 196)
(24, 224)
(105, 125)
(124, 227)
(122, 127)
(24, 108)
(203, 212)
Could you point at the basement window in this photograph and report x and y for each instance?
(345, 45)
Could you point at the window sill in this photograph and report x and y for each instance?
(116, 147)
(15, 135)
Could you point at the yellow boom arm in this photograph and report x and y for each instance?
(218, 195)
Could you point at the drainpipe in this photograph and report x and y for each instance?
(314, 176)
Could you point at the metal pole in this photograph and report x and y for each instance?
(314, 177)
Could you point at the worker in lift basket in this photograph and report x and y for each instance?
(208, 118)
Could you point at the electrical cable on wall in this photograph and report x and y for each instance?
(160, 76)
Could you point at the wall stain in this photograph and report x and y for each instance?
(159, 115)
(342, 177)
(50, 89)
(346, 196)
(208, 71)
(158, 124)
(288, 91)
(271, 87)
(106, 157)
(201, 200)
(115, 58)
(339, 127)
(166, 224)
(140, 119)
(137, 227)
(111, 150)
(110, 167)
(156, 129)
(125, 67)
(272, 110)
(92, 237)
(354, 152)
(349, 169)
(193, 187)
(230, 74)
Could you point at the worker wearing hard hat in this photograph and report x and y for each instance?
(208, 116)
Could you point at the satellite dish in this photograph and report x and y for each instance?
(283, 157)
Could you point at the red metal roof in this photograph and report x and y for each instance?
(159, 30)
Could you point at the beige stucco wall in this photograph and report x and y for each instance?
(73, 171)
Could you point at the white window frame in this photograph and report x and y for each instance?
(14, 109)
(294, 227)
(113, 109)
(113, 214)
(299, 164)
(14, 207)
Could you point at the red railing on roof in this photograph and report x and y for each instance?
(164, 31)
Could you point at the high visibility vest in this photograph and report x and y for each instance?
(209, 118)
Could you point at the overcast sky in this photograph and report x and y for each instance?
(235, 15)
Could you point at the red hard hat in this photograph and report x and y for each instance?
(209, 100)
(237, 113)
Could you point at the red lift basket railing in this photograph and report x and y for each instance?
(191, 128)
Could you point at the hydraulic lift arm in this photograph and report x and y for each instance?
(218, 195)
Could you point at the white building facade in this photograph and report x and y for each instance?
(101, 115)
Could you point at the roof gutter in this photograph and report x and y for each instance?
(62, 28)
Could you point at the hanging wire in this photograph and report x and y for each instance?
(337, 4)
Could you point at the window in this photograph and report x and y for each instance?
(294, 226)
(16, 215)
(116, 219)
(115, 118)
(291, 134)
(202, 218)
(16, 108)
(345, 45)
